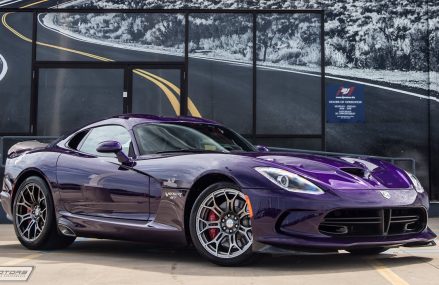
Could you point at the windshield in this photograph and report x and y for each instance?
(160, 138)
(225, 137)
(170, 137)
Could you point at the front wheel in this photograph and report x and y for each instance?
(220, 225)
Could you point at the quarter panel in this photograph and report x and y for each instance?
(41, 163)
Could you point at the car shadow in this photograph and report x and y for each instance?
(186, 261)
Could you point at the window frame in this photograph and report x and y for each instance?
(89, 129)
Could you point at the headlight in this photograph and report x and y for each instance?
(416, 183)
(289, 181)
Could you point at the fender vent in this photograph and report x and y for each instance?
(374, 222)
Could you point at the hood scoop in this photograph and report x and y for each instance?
(356, 171)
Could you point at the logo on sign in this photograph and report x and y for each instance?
(345, 103)
(345, 91)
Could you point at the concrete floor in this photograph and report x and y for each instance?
(90, 261)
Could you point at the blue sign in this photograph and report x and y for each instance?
(345, 103)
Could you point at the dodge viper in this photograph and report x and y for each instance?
(191, 181)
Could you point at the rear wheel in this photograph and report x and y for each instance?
(34, 217)
(220, 225)
(367, 251)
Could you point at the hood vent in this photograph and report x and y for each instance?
(360, 172)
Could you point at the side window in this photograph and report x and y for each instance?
(106, 133)
(77, 139)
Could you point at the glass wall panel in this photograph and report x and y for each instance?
(110, 37)
(156, 91)
(288, 74)
(15, 72)
(71, 98)
(220, 69)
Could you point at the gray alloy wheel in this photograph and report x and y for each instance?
(34, 216)
(31, 212)
(221, 225)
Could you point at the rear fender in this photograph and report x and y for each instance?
(22, 147)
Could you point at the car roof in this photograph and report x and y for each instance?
(130, 120)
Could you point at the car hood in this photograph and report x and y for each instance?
(340, 172)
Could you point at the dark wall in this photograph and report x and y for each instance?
(433, 26)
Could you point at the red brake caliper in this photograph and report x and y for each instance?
(211, 218)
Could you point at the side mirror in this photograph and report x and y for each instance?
(116, 148)
(109, 147)
(262, 148)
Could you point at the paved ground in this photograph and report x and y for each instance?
(90, 261)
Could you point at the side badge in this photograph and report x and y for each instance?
(385, 194)
(170, 183)
(173, 195)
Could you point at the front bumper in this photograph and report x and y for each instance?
(306, 212)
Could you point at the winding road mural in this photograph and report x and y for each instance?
(396, 116)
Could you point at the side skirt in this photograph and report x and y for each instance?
(109, 228)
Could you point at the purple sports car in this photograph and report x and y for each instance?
(192, 181)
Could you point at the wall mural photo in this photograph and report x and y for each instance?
(389, 48)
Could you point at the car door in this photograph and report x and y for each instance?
(96, 184)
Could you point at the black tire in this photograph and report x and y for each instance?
(367, 251)
(49, 237)
(246, 257)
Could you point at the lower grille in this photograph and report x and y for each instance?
(374, 222)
